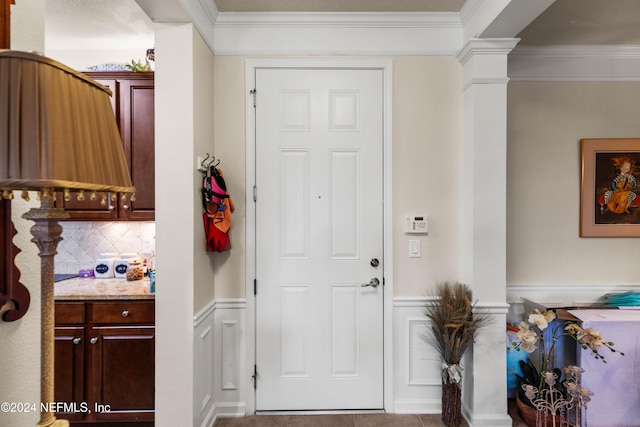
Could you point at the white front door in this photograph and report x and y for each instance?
(319, 232)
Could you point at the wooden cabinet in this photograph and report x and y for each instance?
(105, 360)
(133, 106)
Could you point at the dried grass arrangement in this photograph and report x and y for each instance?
(454, 327)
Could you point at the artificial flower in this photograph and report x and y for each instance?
(550, 378)
(545, 386)
(530, 391)
(528, 337)
(541, 319)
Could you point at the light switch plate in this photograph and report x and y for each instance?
(415, 249)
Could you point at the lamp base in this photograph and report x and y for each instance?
(56, 423)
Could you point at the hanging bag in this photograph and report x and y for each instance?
(218, 208)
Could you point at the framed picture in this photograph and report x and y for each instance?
(610, 193)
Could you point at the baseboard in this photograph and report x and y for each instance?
(210, 418)
(417, 406)
(230, 410)
(497, 420)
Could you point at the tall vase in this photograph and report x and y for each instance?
(451, 394)
(451, 404)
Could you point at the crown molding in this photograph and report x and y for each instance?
(356, 34)
(475, 47)
(302, 20)
(337, 33)
(469, 9)
(575, 63)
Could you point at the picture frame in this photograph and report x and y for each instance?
(610, 187)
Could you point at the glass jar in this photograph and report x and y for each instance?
(134, 271)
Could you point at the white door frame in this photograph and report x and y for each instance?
(386, 65)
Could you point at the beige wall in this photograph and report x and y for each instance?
(229, 143)
(545, 124)
(203, 95)
(426, 180)
(20, 349)
(427, 153)
(27, 25)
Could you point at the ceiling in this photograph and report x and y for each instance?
(586, 22)
(105, 23)
(589, 22)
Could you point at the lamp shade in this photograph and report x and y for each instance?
(57, 129)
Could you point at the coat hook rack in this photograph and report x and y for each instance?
(208, 162)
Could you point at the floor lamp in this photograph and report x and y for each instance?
(58, 135)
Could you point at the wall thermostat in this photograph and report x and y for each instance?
(415, 224)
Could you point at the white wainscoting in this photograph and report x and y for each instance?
(220, 383)
(417, 382)
(219, 361)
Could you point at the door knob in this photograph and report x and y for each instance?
(374, 283)
(374, 262)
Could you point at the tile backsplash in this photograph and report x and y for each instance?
(85, 241)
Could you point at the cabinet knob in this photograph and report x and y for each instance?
(76, 341)
(111, 207)
(125, 207)
(94, 340)
(125, 313)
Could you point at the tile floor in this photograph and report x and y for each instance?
(349, 420)
(355, 420)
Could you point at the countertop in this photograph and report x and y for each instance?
(101, 289)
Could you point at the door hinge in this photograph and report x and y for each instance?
(255, 377)
(255, 193)
(252, 92)
(255, 286)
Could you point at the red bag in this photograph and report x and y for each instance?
(218, 208)
(217, 241)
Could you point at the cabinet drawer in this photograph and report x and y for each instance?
(67, 313)
(122, 312)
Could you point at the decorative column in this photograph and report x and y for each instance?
(484, 216)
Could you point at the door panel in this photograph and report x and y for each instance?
(319, 213)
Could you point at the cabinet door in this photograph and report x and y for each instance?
(133, 104)
(122, 372)
(88, 209)
(137, 130)
(69, 370)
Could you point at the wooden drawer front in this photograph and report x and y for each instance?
(67, 313)
(123, 312)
